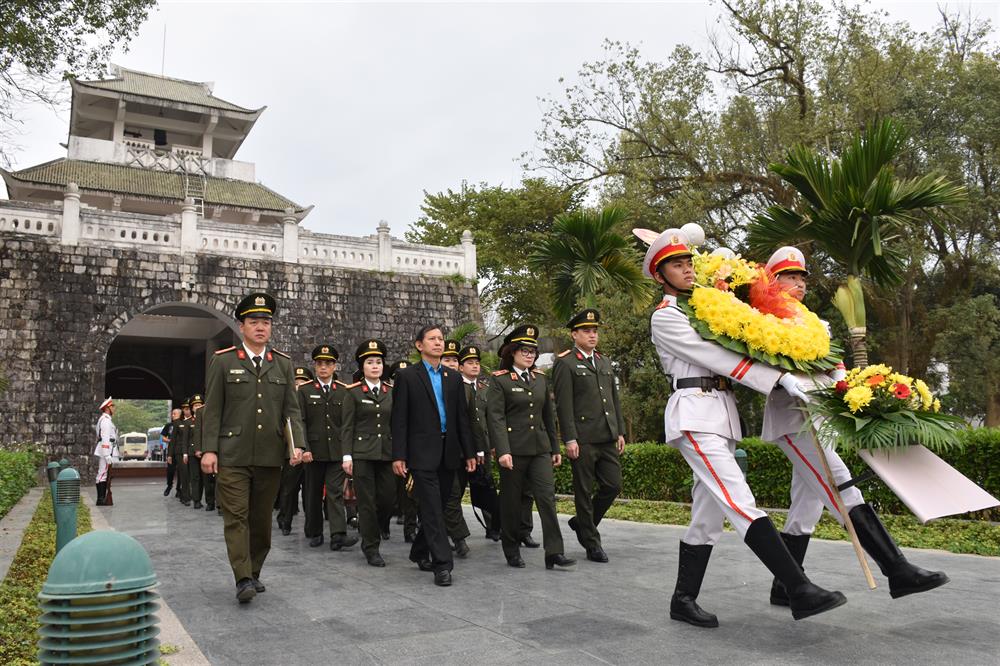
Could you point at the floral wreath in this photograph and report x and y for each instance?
(775, 328)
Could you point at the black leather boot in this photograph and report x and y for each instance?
(805, 598)
(102, 489)
(690, 572)
(904, 578)
(797, 545)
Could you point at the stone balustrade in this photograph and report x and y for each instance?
(186, 232)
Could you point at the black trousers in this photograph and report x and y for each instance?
(432, 488)
(170, 475)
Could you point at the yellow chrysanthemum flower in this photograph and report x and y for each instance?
(858, 398)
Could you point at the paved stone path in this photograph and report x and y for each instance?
(325, 607)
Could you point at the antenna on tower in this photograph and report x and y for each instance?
(163, 56)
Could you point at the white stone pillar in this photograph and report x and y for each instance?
(189, 226)
(469, 249)
(290, 237)
(71, 215)
(384, 247)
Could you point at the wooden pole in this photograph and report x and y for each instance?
(840, 505)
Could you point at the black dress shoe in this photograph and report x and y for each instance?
(597, 555)
(528, 542)
(186, 502)
(425, 565)
(375, 559)
(442, 578)
(199, 505)
(515, 561)
(385, 535)
(493, 536)
(316, 541)
(558, 560)
(341, 541)
(210, 507)
(461, 548)
(166, 493)
(258, 586)
(245, 591)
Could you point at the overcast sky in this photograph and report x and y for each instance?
(370, 104)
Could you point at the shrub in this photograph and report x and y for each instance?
(18, 471)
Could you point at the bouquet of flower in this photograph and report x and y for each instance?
(876, 408)
(784, 334)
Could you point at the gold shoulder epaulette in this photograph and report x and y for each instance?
(561, 354)
(538, 372)
(223, 351)
(345, 385)
(497, 373)
(389, 384)
(281, 353)
(354, 385)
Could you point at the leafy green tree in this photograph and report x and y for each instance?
(969, 344)
(139, 415)
(855, 210)
(584, 254)
(506, 223)
(44, 42)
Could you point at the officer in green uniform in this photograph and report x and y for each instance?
(481, 487)
(321, 403)
(367, 442)
(406, 502)
(592, 426)
(197, 401)
(179, 446)
(250, 403)
(522, 425)
(292, 476)
(197, 437)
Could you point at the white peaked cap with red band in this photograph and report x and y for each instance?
(670, 243)
(107, 401)
(786, 260)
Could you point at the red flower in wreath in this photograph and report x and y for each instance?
(901, 391)
(841, 387)
(722, 285)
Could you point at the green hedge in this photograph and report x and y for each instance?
(658, 472)
(18, 471)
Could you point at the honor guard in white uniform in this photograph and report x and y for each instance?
(702, 422)
(785, 426)
(106, 449)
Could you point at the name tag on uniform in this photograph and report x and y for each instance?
(517, 389)
(368, 402)
(237, 371)
(582, 366)
(315, 397)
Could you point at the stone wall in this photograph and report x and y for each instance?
(62, 306)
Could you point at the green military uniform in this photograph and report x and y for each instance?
(207, 480)
(194, 461)
(590, 414)
(247, 406)
(292, 476)
(322, 408)
(521, 420)
(179, 444)
(367, 442)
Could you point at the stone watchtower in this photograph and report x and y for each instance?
(121, 262)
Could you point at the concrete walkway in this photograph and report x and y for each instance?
(325, 607)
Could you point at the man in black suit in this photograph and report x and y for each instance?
(431, 438)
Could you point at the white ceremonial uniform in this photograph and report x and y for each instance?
(785, 426)
(107, 437)
(704, 425)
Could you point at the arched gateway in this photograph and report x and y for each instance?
(120, 265)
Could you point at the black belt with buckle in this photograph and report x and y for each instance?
(715, 383)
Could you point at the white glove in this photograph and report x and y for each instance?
(793, 386)
(838, 374)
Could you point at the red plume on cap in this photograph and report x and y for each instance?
(767, 295)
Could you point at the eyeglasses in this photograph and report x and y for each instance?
(528, 351)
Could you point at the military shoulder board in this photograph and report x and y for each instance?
(354, 385)
(499, 373)
(564, 353)
(223, 351)
(281, 353)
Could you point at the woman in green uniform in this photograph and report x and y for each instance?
(521, 419)
(368, 446)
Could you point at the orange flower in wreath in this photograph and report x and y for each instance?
(875, 380)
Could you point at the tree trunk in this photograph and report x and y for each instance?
(992, 410)
(859, 349)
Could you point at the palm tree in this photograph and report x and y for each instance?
(584, 254)
(855, 210)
